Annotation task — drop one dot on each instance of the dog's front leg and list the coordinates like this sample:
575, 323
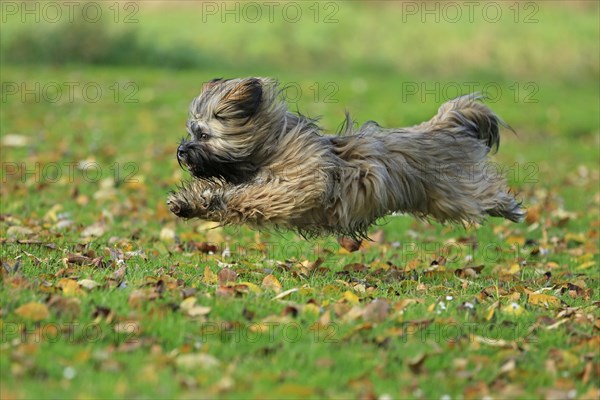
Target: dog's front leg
259, 204
199, 198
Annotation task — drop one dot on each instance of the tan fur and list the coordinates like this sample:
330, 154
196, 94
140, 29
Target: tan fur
293, 177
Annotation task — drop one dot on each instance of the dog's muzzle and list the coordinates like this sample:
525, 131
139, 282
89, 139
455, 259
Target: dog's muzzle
182, 155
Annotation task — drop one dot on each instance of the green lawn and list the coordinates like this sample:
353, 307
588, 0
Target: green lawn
105, 294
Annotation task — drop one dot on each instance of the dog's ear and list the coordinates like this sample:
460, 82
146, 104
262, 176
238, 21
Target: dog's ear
242, 101
212, 83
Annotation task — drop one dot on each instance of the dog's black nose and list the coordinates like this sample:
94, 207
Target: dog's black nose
181, 150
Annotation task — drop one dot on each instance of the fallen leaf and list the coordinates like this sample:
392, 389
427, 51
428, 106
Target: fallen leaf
350, 297
508, 367
514, 269
88, 284
285, 294
189, 307
137, 298
225, 291
63, 306
377, 310
416, 364
513, 309
15, 140
167, 234
33, 311
128, 328
248, 286
70, 287
195, 361
585, 265
349, 244
491, 310
16, 231
94, 230
209, 277
272, 283
226, 275
546, 300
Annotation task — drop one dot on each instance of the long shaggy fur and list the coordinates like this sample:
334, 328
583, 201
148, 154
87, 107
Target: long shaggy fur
254, 162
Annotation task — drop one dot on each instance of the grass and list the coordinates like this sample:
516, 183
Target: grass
132, 335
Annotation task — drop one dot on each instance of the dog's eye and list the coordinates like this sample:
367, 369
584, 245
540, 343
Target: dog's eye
196, 130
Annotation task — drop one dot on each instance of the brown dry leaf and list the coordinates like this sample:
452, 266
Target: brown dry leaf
62, 306
478, 390
291, 391
377, 310
33, 311
356, 267
353, 314
117, 277
469, 272
272, 283
378, 236
587, 372
79, 259
207, 248
244, 287
225, 291
402, 304
545, 300
416, 363
308, 266
129, 328
439, 261
592, 394
189, 307
137, 298
95, 230
17, 231
349, 244
226, 275
518, 240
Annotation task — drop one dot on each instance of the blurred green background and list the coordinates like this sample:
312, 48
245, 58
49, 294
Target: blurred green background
393, 62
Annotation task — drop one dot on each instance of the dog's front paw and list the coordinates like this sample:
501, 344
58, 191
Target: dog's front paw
181, 207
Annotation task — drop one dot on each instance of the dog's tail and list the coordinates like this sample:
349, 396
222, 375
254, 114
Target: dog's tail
467, 115
469, 186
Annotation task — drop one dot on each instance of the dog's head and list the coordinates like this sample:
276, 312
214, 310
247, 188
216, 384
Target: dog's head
231, 126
